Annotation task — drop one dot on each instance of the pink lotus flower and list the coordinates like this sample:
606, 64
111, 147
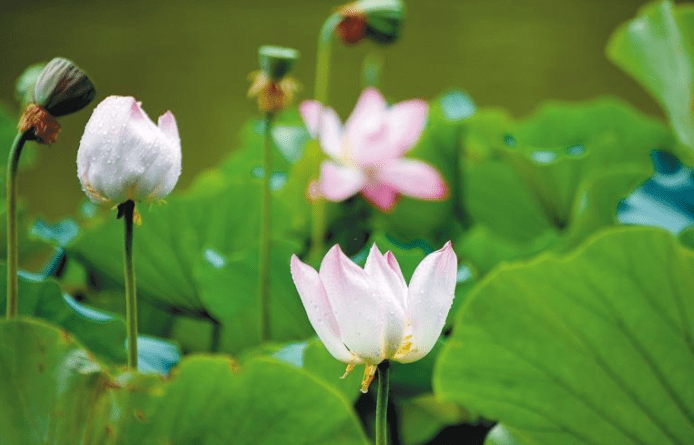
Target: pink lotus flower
370, 315
367, 154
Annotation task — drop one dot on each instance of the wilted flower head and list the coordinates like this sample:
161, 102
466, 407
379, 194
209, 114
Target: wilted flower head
273, 88
370, 315
61, 88
124, 156
366, 154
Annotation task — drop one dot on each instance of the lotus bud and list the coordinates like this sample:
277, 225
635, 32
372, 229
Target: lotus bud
271, 85
379, 20
61, 88
124, 156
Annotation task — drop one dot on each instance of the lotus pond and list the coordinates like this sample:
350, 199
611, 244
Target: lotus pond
346, 265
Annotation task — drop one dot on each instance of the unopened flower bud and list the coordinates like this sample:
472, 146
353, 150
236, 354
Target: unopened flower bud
379, 20
276, 62
271, 86
124, 156
62, 88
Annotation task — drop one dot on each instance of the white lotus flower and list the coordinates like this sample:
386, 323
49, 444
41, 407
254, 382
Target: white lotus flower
124, 156
370, 315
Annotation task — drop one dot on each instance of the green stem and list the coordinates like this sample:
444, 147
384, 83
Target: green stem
382, 403
127, 210
265, 232
12, 248
321, 95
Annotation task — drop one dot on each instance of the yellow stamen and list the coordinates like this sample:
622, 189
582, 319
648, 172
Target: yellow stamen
137, 217
404, 348
349, 369
369, 373
88, 187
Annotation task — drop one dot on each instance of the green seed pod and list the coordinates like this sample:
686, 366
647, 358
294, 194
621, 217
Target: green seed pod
62, 88
276, 62
24, 89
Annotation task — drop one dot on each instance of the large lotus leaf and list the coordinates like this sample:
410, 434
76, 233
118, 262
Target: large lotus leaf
531, 178
49, 388
500, 435
52, 392
597, 202
213, 400
43, 299
656, 49
484, 249
228, 289
424, 416
174, 238
563, 145
595, 347
496, 197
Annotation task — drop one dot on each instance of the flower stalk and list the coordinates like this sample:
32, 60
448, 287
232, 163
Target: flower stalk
382, 403
318, 212
60, 88
265, 232
274, 90
126, 211
12, 248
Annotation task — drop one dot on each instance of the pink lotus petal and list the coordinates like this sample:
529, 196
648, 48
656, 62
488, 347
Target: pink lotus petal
413, 178
406, 122
429, 300
330, 133
318, 309
368, 115
380, 195
338, 182
310, 112
393, 263
357, 306
392, 289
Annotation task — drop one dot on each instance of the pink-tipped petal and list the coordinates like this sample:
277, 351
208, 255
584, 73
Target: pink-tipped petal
330, 133
406, 122
368, 115
393, 263
338, 182
413, 178
136, 111
380, 195
358, 308
392, 289
430, 296
167, 125
318, 309
310, 113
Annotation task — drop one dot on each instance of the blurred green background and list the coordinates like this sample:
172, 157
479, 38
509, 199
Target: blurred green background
194, 57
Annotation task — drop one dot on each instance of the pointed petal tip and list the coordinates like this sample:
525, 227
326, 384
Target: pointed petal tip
168, 126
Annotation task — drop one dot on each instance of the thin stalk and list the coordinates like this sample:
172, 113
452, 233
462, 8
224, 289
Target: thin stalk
12, 248
265, 233
321, 96
126, 211
382, 403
